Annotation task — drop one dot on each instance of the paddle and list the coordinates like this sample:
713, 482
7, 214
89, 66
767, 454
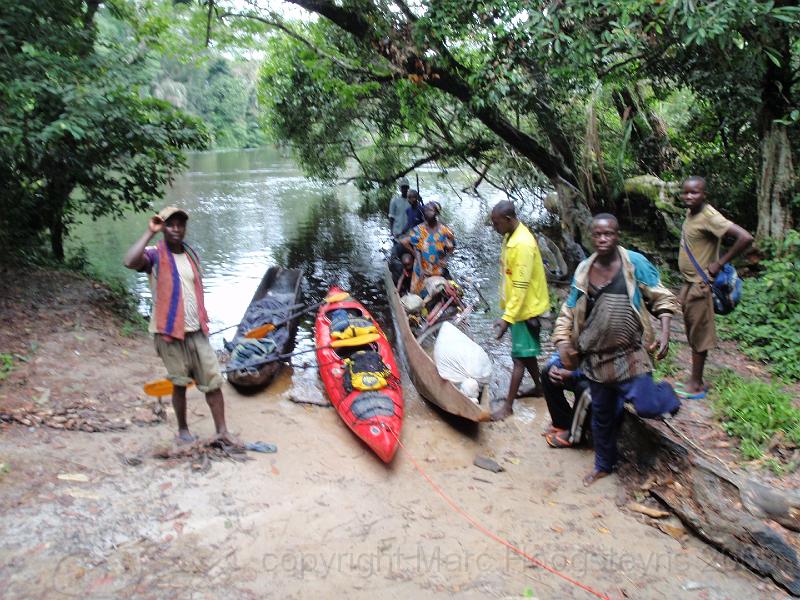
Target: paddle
477, 287
160, 387
292, 307
262, 330
437, 312
359, 340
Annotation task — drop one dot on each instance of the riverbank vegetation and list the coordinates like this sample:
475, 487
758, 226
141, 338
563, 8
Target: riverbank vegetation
573, 107
79, 135
761, 415
578, 106
767, 322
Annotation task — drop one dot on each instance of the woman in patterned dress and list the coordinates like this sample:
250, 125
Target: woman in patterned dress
430, 243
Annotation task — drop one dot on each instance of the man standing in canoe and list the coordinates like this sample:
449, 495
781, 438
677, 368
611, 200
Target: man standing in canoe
397, 209
397, 225
414, 214
523, 298
179, 322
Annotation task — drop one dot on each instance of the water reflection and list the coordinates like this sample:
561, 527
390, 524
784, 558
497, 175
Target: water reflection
252, 209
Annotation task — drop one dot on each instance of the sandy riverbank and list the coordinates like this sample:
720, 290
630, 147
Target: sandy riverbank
322, 517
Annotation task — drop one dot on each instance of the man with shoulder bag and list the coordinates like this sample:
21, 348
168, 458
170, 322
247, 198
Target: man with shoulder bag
703, 270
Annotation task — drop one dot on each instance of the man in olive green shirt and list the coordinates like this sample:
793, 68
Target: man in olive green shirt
702, 232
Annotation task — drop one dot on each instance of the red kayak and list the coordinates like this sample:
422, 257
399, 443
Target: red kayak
368, 398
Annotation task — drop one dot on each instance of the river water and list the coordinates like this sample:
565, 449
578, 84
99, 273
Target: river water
252, 209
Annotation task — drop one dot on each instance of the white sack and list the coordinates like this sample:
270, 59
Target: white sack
458, 358
471, 389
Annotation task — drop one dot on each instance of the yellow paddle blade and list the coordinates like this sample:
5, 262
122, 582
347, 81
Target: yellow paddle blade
337, 297
160, 387
259, 332
359, 340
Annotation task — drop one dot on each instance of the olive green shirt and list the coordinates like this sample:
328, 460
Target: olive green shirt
703, 233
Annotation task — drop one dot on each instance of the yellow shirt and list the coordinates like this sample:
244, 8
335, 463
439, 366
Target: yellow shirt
523, 291
703, 233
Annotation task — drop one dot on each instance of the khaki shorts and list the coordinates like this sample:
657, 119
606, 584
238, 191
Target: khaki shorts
698, 316
191, 358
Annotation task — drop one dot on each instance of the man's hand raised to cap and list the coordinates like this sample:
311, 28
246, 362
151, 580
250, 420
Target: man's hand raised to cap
155, 224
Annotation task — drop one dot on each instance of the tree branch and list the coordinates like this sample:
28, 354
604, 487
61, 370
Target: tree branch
406, 59
277, 23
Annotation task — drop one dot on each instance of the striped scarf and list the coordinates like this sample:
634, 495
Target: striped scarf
169, 298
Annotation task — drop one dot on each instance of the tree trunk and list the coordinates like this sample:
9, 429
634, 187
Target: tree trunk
57, 239
776, 185
576, 222
777, 182
55, 206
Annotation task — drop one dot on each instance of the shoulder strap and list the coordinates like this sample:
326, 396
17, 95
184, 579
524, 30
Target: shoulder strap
697, 267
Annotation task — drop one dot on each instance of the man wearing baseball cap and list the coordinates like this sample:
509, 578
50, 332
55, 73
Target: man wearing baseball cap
179, 322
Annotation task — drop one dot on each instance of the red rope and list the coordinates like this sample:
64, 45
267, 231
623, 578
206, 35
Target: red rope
488, 533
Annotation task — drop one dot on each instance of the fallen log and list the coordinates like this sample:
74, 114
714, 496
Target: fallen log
755, 523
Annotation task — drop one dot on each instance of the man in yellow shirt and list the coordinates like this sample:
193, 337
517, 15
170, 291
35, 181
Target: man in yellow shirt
523, 298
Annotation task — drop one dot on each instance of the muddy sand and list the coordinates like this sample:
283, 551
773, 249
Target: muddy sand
94, 515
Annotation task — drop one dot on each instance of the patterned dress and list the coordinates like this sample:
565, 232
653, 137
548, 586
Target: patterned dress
431, 245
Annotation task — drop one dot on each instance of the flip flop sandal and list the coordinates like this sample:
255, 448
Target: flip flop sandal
680, 385
558, 440
551, 430
689, 396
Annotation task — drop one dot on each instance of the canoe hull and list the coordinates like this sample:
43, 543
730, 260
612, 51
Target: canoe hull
283, 284
422, 369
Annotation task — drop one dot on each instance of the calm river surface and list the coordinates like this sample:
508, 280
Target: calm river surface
252, 209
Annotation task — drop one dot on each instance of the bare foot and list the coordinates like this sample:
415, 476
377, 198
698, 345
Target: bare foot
226, 438
594, 476
531, 392
185, 437
506, 410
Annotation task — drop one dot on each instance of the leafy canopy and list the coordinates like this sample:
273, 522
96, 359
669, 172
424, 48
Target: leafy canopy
80, 134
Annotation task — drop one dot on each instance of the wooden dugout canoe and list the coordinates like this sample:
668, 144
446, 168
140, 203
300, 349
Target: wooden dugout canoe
282, 286
422, 369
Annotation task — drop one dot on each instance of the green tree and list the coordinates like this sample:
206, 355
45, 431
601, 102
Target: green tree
527, 74
79, 135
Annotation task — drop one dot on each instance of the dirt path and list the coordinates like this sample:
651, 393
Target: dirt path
322, 517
